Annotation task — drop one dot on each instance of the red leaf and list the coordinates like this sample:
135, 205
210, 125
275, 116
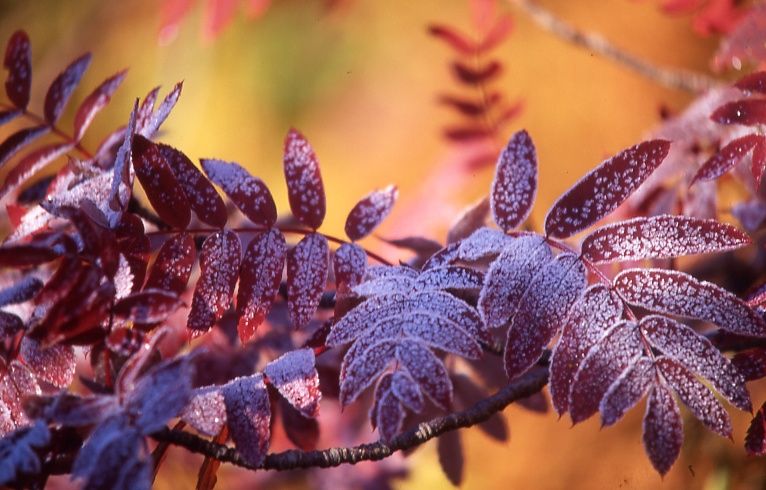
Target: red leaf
31, 164
476, 75
147, 306
755, 441
25, 255
677, 293
173, 265
470, 220
461, 134
97, 100
202, 196
626, 391
148, 128
501, 30
248, 193
260, 276
604, 188
515, 183
541, 311
662, 429
219, 263
305, 189
349, 264
427, 370
54, 365
218, 15
745, 42
758, 163
466, 107
727, 157
162, 188
18, 62
754, 82
660, 237
748, 112
295, 377
18, 140
307, 267
62, 87
456, 40
597, 310
369, 212
751, 363
302, 432
15, 383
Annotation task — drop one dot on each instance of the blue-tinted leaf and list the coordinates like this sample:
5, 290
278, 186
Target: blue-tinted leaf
626, 390
427, 370
17, 451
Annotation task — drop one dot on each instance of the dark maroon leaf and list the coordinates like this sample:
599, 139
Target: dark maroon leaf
97, 100
165, 194
307, 268
727, 157
467, 107
542, 310
147, 306
305, 189
456, 40
125, 341
295, 377
31, 164
55, 364
467, 394
627, 390
449, 446
18, 141
260, 276
18, 62
249, 416
25, 255
758, 163
10, 115
754, 82
427, 370
597, 310
203, 198
476, 75
219, 262
751, 363
755, 441
604, 188
349, 264
748, 112
148, 128
467, 134
62, 87
515, 183
21, 291
469, 221
173, 265
18, 453
677, 293
10, 324
146, 109
423, 247
369, 212
662, 429
160, 394
249, 194
660, 237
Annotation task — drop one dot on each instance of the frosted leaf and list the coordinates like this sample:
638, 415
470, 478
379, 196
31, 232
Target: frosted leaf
728, 157
748, 112
93, 103
17, 382
17, 451
406, 390
18, 62
75, 411
450, 277
249, 416
206, 410
484, 242
663, 434
149, 306
149, 127
55, 364
694, 351
357, 321
597, 310
441, 333
755, 441
660, 237
456, 310
618, 349
18, 141
386, 285
21, 291
681, 294
509, 277
751, 213
349, 264
296, 379
305, 189
515, 183
469, 221
62, 87
541, 311
427, 370
753, 82
219, 262
248, 193
173, 265
362, 372
696, 396
259, 280
385, 271
160, 395
10, 324
369, 212
751, 363
146, 108
627, 390
601, 190
386, 414
388, 329
307, 268
30, 164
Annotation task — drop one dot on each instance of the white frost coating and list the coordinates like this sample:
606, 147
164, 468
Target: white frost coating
369, 212
158, 117
173, 266
307, 269
206, 411
249, 414
681, 294
349, 264
427, 370
627, 390
55, 365
294, 375
383, 271
360, 374
406, 390
663, 434
389, 284
15, 385
441, 333
450, 277
728, 157
484, 242
356, 322
660, 237
304, 181
248, 193
515, 183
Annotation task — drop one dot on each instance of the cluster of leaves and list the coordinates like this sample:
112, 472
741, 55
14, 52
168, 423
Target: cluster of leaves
87, 265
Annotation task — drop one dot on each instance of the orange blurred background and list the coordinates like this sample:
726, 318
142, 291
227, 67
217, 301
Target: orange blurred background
361, 81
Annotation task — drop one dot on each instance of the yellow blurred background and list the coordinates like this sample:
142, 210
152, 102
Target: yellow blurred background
361, 82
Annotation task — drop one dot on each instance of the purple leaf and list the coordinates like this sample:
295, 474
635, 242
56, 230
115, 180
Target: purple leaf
698, 397
677, 293
10, 324
295, 377
17, 451
219, 263
542, 310
349, 264
149, 128
407, 391
249, 416
515, 183
302, 432
694, 351
626, 391
305, 189
369, 212
597, 310
600, 191
727, 157
249, 194
165, 194
145, 110
755, 441
206, 411
160, 394
482, 243
173, 265
386, 413
260, 276
62, 87
31, 164
660, 237
203, 198
427, 370
748, 112
97, 100
18, 141
362, 371
450, 277
307, 268
455, 39
439, 332
449, 446
21, 291
509, 277
55, 364
751, 363
123, 173
662, 429
18, 62
357, 322
147, 306
76, 411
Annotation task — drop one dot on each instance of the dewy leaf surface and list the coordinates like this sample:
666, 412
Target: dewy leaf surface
173, 265
663, 434
295, 377
369, 212
515, 183
248, 193
600, 191
349, 264
305, 189
307, 268
249, 416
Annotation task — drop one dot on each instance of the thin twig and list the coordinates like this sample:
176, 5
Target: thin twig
686, 80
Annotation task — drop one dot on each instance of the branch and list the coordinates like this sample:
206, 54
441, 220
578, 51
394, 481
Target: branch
677, 79
293, 459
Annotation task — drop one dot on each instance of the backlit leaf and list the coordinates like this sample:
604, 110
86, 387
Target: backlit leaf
31, 164
17, 382
515, 183
604, 188
469, 221
150, 127
295, 377
147, 306
173, 265
626, 391
305, 189
753, 82
248, 193
206, 410
751, 363
748, 112
456, 40
54, 365
307, 268
18, 62
249, 416
727, 157
62, 87
369, 212
663, 434
755, 441
97, 100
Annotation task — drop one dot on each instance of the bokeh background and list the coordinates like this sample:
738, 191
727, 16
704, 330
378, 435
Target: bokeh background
361, 79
